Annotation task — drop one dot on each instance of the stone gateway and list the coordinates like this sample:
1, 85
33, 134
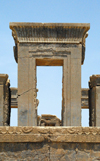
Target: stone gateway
49, 44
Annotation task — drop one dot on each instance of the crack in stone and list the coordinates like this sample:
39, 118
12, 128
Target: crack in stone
25, 92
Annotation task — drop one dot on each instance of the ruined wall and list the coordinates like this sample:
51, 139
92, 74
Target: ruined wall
49, 151
49, 143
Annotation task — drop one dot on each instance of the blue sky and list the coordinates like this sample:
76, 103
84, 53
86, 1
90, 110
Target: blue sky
49, 79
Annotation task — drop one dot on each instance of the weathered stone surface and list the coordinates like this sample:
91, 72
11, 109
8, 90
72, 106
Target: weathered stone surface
24, 152
14, 96
94, 81
5, 99
49, 151
94, 100
50, 143
27, 102
48, 120
84, 98
50, 134
49, 44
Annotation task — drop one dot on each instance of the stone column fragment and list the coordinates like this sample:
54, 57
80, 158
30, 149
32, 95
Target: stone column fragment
5, 99
94, 100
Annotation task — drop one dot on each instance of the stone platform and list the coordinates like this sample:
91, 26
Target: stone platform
50, 143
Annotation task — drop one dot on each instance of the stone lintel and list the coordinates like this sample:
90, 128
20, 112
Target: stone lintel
49, 32
50, 134
94, 81
3, 78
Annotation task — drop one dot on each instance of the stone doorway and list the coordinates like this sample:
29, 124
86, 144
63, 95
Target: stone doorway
56, 44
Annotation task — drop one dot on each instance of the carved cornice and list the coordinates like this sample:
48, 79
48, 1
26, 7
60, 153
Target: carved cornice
94, 81
50, 134
49, 32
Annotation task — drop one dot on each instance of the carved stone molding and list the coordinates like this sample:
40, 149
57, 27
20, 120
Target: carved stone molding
49, 32
50, 134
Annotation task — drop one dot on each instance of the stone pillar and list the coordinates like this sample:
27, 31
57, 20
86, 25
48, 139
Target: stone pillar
94, 100
27, 102
72, 88
5, 99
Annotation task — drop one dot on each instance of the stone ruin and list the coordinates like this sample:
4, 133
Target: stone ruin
51, 44
46, 137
